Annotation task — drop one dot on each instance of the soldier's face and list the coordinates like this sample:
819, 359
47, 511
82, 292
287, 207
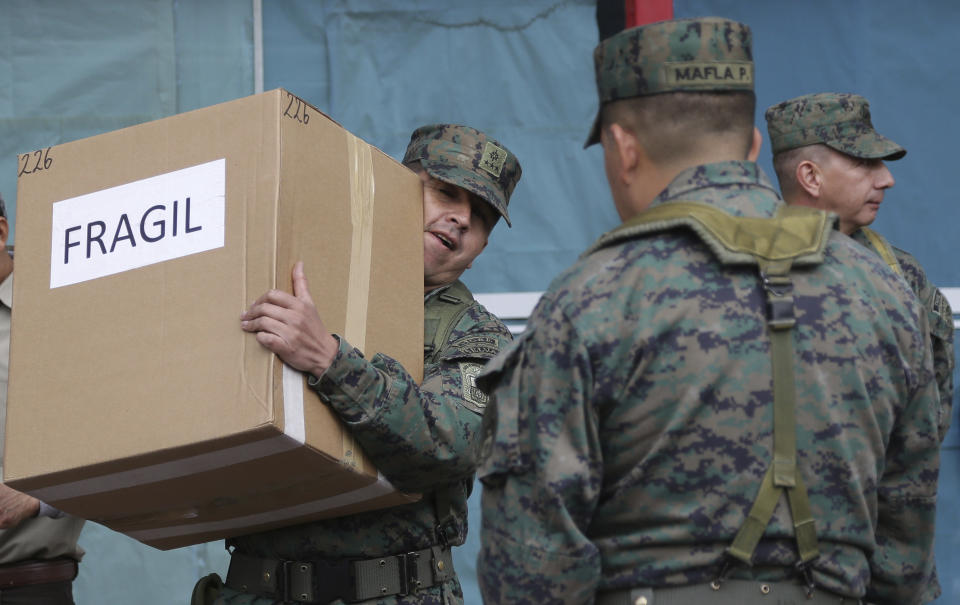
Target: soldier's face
853, 188
456, 226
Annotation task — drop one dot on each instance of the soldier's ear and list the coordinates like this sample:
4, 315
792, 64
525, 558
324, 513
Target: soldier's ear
755, 144
625, 150
809, 178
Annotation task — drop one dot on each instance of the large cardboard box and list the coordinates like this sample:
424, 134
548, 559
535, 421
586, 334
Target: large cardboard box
135, 400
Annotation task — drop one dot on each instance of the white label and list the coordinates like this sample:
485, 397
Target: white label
138, 224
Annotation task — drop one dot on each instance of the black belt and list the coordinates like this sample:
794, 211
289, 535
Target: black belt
730, 592
37, 572
352, 580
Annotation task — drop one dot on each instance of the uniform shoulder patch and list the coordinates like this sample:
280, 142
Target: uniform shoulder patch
477, 346
938, 303
473, 398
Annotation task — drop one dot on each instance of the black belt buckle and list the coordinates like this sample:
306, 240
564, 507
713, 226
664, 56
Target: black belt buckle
409, 574
295, 581
316, 581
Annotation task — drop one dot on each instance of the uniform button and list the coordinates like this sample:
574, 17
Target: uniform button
440, 565
640, 601
266, 576
764, 589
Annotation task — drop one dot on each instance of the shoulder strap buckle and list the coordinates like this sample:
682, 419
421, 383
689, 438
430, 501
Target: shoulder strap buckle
779, 290
804, 569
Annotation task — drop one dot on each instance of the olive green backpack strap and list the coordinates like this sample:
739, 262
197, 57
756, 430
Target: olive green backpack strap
795, 236
441, 313
883, 249
782, 475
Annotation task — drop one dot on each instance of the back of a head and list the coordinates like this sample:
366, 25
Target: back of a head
675, 83
676, 125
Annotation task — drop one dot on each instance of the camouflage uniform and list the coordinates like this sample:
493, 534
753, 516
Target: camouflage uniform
939, 316
842, 122
630, 426
418, 435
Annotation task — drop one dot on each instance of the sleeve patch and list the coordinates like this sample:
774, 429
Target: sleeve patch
474, 399
477, 346
938, 303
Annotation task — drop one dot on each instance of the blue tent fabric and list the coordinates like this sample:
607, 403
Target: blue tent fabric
522, 71
73, 70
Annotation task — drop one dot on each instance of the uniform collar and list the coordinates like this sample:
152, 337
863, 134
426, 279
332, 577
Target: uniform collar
436, 291
719, 184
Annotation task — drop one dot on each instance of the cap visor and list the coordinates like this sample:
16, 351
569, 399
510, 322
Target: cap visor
871, 147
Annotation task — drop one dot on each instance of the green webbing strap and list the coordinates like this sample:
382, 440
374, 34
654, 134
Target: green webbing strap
440, 314
782, 474
795, 236
883, 249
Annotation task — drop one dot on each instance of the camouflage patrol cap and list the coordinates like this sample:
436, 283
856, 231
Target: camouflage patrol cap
839, 120
693, 55
467, 158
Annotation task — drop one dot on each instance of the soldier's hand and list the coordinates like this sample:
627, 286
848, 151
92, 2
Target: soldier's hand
15, 507
290, 326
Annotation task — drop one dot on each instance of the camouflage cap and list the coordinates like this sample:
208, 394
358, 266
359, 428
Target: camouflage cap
704, 54
468, 158
839, 120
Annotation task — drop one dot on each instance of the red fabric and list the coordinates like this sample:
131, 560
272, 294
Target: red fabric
639, 12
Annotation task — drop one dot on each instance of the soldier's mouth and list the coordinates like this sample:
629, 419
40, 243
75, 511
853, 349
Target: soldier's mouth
443, 240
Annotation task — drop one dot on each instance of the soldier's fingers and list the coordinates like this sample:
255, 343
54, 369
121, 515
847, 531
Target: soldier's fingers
301, 288
274, 343
267, 324
277, 298
278, 306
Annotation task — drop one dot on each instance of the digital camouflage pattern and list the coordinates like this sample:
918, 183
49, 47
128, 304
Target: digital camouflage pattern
631, 424
840, 121
680, 55
940, 319
468, 158
419, 436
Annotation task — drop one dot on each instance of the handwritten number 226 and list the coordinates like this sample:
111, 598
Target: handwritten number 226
299, 112
34, 162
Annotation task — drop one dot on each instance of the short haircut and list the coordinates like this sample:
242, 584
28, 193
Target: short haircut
785, 165
3, 207
671, 125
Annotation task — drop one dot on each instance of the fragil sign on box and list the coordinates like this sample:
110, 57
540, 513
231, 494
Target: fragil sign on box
125, 227
135, 399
